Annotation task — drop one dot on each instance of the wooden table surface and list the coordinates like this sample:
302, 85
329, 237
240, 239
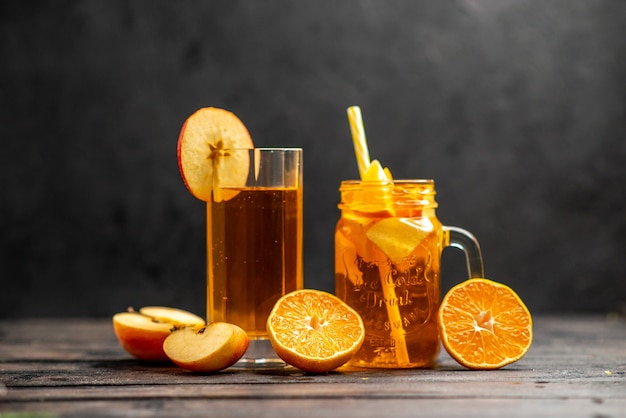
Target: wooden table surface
75, 367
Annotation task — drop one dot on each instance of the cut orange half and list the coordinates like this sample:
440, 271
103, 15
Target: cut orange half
484, 324
314, 330
203, 153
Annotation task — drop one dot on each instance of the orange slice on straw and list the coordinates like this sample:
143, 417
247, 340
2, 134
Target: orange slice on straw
314, 330
484, 324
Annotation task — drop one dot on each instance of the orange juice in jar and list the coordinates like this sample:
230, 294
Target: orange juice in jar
388, 245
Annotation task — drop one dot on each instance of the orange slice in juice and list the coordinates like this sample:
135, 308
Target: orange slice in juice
397, 238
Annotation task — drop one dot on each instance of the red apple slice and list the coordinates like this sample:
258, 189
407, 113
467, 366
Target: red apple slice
142, 333
175, 316
203, 157
206, 349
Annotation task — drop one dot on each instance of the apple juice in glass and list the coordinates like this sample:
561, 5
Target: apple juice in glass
254, 245
388, 245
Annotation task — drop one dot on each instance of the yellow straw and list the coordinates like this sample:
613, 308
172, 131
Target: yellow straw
358, 137
393, 312
389, 292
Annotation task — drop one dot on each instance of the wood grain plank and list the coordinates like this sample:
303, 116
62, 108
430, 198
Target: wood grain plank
576, 367
609, 389
331, 408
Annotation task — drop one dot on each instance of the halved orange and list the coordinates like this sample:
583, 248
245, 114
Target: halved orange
484, 324
314, 330
203, 153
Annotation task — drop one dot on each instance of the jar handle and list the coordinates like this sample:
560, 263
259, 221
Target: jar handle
464, 240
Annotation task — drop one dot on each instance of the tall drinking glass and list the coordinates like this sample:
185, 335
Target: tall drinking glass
254, 244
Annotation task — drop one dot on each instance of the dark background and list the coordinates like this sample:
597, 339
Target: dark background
517, 109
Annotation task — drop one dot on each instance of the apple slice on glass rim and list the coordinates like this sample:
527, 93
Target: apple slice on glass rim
203, 157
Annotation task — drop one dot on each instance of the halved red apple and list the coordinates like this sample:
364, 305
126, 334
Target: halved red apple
203, 157
206, 349
142, 333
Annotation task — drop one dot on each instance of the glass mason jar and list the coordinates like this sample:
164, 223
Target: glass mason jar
388, 245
